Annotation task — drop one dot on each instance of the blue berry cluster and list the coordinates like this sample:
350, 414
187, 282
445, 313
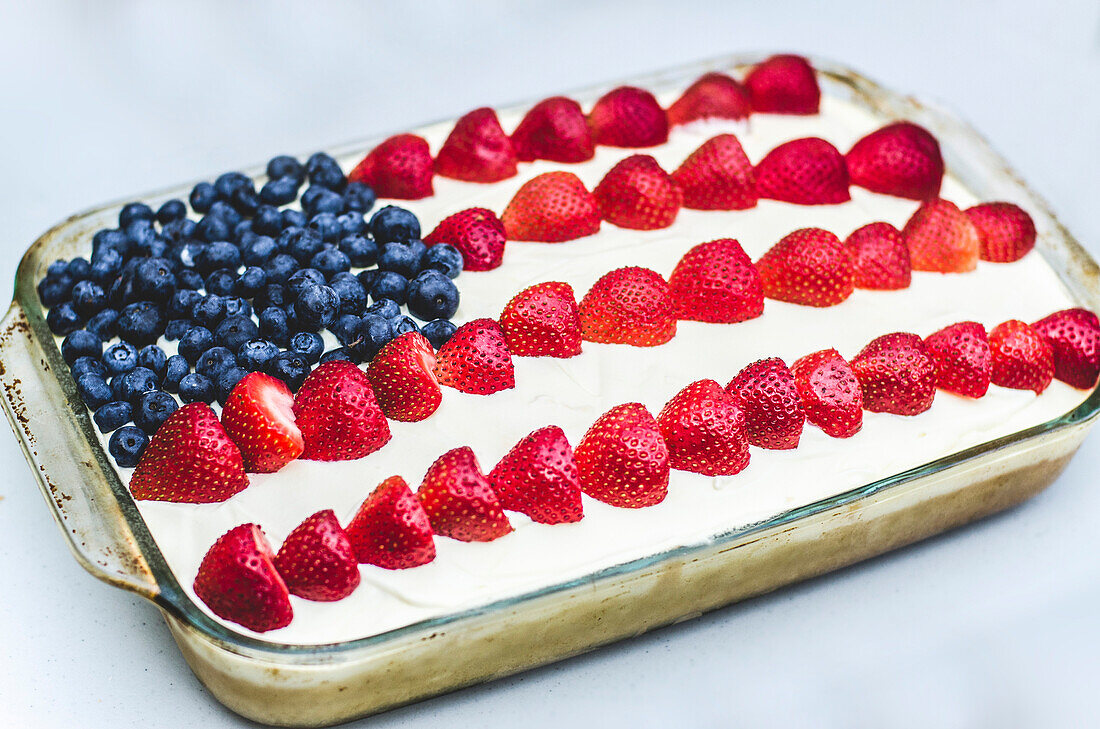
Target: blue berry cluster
247, 286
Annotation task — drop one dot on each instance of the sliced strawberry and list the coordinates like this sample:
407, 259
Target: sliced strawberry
317, 561
543, 321
809, 267
398, 168
538, 477
784, 84
477, 150
880, 257
628, 306
941, 238
391, 529
1006, 232
628, 117
901, 159
807, 171
459, 501
1074, 339
623, 460
831, 396
961, 354
402, 376
713, 95
476, 359
704, 430
554, 129
478, 235
191, 459
259, 417
636, 193
550, 208
766, 392
340, 419
716, 282
1022, 359
717, 176
897, 374
238, 581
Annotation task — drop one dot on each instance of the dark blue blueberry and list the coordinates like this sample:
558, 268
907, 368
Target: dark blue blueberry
284, 165
152, 409
259, 251
338, 355
179, 230
154, 280
113, 415
385, 308
196, 388
352, 224
141, 233
392, 223
93, 390
88, 298
227, 182
367, 278
81, 343
328, 174
235, 331
251, 281
290, 367
358, 198
221, 282
196, 341
109, 238
273, 325
135, 383
401, 258
176, 328
141, 323
309, 345
224, 210
134, 211
86, 365
152, 357
256, 353
171, 210
182, 303
54, 289
121, 291
326, 226
279, 268
401, 324
120, 358
432, 296
227, 380
330, 261
318, 199
209, 311
106, 265
214, 360
272, 295
268, 220
174, 369
126, 445
203, 195
353, 297
318, 160
213, 228
58, 268
279, 191
316, 307
360, 250
104, 324
389, 285
236, 306
78, 268
303, 243
302, 280
219, 254
189, 278
293, 218
438, 331
445, 258
243, 233
345, 328
374, 332
245, 200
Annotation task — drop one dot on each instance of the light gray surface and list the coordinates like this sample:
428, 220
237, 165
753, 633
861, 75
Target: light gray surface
994, 625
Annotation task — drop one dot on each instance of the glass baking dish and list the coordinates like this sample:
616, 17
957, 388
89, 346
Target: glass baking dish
299, 685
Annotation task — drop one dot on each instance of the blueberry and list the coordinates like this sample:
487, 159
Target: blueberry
328, 174
317, 160
54, 289
368, 277
227, 380
174, 370
392, 223
104, 324
121, 292
219, 254
209, 311
134, 211
389, 285
385, 308
316, 307
112, 415
374, 332
93, 390
401, 324
221, 282
432, 296
438, 331
196, 341
152, 357
445, 258
318, 199
235, 331
273, 325
337, 355
303, 279
358, 197
179, 230
326, 225
203, 195
361, 251
141, 323
126, 445
279, 268
87, 365
176, 328
243, 233
330, 261
135, 383
245, 200
401, 258
303, 243
267, 221
88, 298
213, 228
293, 218
227, 182
105, 266
214, 360
285, 166
189, 278
251, 281
309, 345
81, 343
141, 233
256, 353
58, 268
236, 306
345, 328
78, 268
290, 367
196, 388
259, 251
353, 297
182, 303
154, 280
109, 238
120, 358
352, 223
153, 408
171, 210
272, 295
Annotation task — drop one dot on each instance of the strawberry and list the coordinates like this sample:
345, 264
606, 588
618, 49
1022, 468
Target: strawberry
901, 159
704, 430
784, 84
554, 129
766, 392
476, 359
809, 267
391, 529
338, 414
550, 208
628, 306
961, 354
897, 374
259, 417
628, 117
538, 477
1022, 359
717, 176
317, 561
543, 321
477, 150
1074, 339
402, 376
940, 237
830, 393
713, 95
880, 257
238, 581
1006, 232
807, 171
459, 501
636, 193
623, 460
716, 282
398, 168
478, 235
191, 459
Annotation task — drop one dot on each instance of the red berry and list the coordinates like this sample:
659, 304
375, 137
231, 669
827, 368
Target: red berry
478, 235
538, 477
901, 159
554, 129
713, 95
340, 419
716, 282
831, 396
628, 117
897, 375
550, 208
766, 392
391, 529
880, 257
628, 306
259, 417
1022, 359
704, 430
941, 238
1074, 339
476, 359
784, 84
317, 561
477, 150
238, 581
809, 267
459, 501
402, 376
717, 176
399, 168
963, 362
1006, 232
807, 171
623, 460
636, 193
543, 321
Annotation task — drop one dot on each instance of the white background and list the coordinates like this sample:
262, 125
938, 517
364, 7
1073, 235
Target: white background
995, 625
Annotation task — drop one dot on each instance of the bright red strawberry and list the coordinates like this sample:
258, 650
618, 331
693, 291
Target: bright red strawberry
941, 238
809, 267
807, 171
713, 95
478, 235
1006, 232
391, 528
550, 208
459, 501
398, 168
831, 396
1022, 359
477, 150
554, 129
317, 561
901, 159
717, 176
880, 257
476, 359
897, 374
1074, 339
628, 117
766, 392
538, 477
543, 321
716, 282
961, 354
636, 193
402, 376
339, 416
259, 417
704, 430
238, 581
784, 84
623, 460
628, 306
191, 459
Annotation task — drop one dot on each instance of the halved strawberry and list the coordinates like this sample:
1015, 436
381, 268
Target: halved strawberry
402, 376
941, 238
901, 159
716, 282
1022, 359
880, 257
623, 460
259, 417
831, 396
538, 477
191, 459
713, 95
543, 321
338, 414
628, 117
391, 528
478, 235
636, 193
807, 171
238, 581
1006, 232
809, 267
897, 374
554, 129
628, 306
961, 354
459, 501
1074, 339
399, 168
766, 392
550, 208
477, 149
717, 176
317, 561
784, 84
704, 430
476, 359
